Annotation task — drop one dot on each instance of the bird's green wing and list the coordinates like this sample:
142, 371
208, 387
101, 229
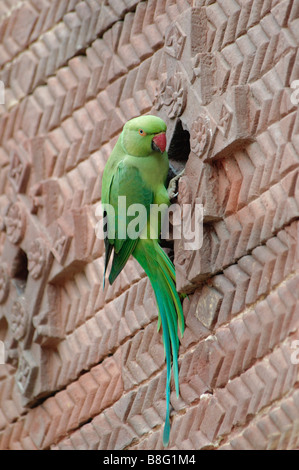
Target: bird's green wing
127, 188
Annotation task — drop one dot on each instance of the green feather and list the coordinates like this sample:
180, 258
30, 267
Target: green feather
148, 254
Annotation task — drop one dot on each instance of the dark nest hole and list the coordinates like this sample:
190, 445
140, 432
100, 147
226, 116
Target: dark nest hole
20, 271
178, 153
179, 150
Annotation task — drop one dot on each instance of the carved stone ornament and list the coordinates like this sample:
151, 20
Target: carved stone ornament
196, 67
225, 119
18, 320
184, 196
19, 171
61, 244
36, 199
36, 258
175, 41
15, 222
200, 134
26, 373
4, 283
182, 256
172, 93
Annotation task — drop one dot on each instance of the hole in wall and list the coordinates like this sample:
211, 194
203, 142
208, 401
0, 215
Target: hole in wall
3, 329
179, 150
178, 153
20, 271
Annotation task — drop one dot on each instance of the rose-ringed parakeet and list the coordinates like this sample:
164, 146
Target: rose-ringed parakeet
137, 169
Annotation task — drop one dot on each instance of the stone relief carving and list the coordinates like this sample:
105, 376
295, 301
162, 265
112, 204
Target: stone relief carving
217, 120
4, 283
37, 252
15, 222
36, 258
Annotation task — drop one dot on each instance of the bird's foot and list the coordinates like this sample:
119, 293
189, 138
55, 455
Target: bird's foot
172, 186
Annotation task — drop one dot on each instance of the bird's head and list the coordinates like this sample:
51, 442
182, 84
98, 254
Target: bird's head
144, 135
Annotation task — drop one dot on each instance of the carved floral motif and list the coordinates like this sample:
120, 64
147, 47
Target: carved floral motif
182, 256
36, 258
225, 119
4, 283
26, 373
15, 222
175, 41
35, 194
16, 168
200, 135
18, 320
172, 93
19, 171
23, 374
61, 244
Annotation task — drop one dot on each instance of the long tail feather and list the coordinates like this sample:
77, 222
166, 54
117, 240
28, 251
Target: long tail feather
108, 251
161, 273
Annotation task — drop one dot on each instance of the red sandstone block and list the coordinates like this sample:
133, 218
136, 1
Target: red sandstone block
285, 377
267, 259
46, 103
194, 373
80, 69
253, 326
270, 432
66, 405
268, 375
51, 405
256, 387
78, 396
258, 211
70, 85
227, 289
227, 402
243, 396
288, 301
253, 268
242, 338
63, 445
213, 417
4, 438
77, 440
280, 316
265, 317
207, 307
58, 93
281, 252
13, 442
90, 387
228, 344
241, 281
234, 228
254, 438
39, 427
289, 159
3, 420
110, 385
90, 436
31, 118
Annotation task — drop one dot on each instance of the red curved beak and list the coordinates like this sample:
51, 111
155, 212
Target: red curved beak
159, 142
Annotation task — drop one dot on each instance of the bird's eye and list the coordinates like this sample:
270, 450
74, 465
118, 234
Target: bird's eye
141, 132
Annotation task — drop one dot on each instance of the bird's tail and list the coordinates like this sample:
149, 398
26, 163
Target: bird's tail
161, 273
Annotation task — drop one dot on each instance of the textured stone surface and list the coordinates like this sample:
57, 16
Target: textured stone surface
85, 368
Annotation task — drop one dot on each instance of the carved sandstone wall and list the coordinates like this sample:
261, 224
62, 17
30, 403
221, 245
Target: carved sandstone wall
85, 368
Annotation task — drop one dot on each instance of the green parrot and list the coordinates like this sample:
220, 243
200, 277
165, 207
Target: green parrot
137, 169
